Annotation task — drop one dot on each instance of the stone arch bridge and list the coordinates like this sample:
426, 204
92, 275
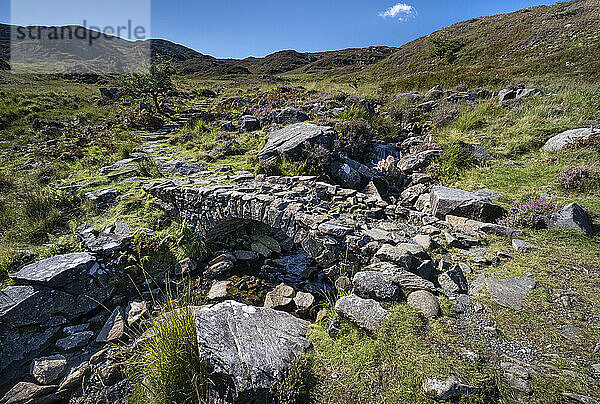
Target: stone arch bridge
332, 224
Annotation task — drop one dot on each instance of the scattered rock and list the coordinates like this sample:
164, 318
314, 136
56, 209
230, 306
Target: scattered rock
563, 139
135, 311
375, 285
571, 216
248, 348
249, 123
570, 332
367, 314
179, 167
518, 383
522, 246
287, 116
242, 255
219, 290
453, 281
219, 265
75, 378
510, 292
48, 369
425, 303
185, 267
280, 298
450, 389
114, 328
304, 301
450, 201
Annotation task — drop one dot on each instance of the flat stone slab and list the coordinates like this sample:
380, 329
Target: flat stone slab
291, 139
69, 272
248, 348
401, 277
457, 202
510, 292
365, 313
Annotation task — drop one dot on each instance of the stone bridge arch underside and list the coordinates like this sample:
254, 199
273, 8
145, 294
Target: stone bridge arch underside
313, 214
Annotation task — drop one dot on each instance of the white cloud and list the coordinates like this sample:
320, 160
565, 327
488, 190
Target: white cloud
401, 11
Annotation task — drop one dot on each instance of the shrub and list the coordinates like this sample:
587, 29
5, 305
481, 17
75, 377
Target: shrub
529, 212
455, 158
354, 138
444, 48
443, 116
574, 177
385, 129
355, 111
318, 159
166, 367
147, 167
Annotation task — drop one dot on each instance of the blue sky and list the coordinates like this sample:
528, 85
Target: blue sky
234, 28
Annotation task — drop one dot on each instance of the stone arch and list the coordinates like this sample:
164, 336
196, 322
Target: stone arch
219, 209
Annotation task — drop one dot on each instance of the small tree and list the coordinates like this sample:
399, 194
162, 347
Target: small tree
154, 83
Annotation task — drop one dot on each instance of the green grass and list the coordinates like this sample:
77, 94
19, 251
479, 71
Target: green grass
166, 367
389, 367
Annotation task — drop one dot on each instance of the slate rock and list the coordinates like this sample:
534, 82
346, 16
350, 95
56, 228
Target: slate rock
287, 116
401, 277
375, 285
179, 167
71, 273
27, 305
563, 139
114, 328
425, 303
47, 369
25, 392
74, 379
510, 292
451, 201
453, 281
290, 140
247, 349
104, 198
249, 123
111, 240
365, 313
572, 216
74, 341
580, 398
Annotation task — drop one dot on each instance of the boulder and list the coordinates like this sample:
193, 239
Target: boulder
563, 139
425, 303
107, 242
104, 198
453, 281
249, 123
375, 285
510, 292
290, 140
247, 349
71, 273
48, 369
451, 201
450, 389
286, 116
280, 298
572, 216
365, 313
346, 176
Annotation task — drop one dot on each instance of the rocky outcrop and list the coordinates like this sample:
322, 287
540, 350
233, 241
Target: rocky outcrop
247, 348
290, 140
